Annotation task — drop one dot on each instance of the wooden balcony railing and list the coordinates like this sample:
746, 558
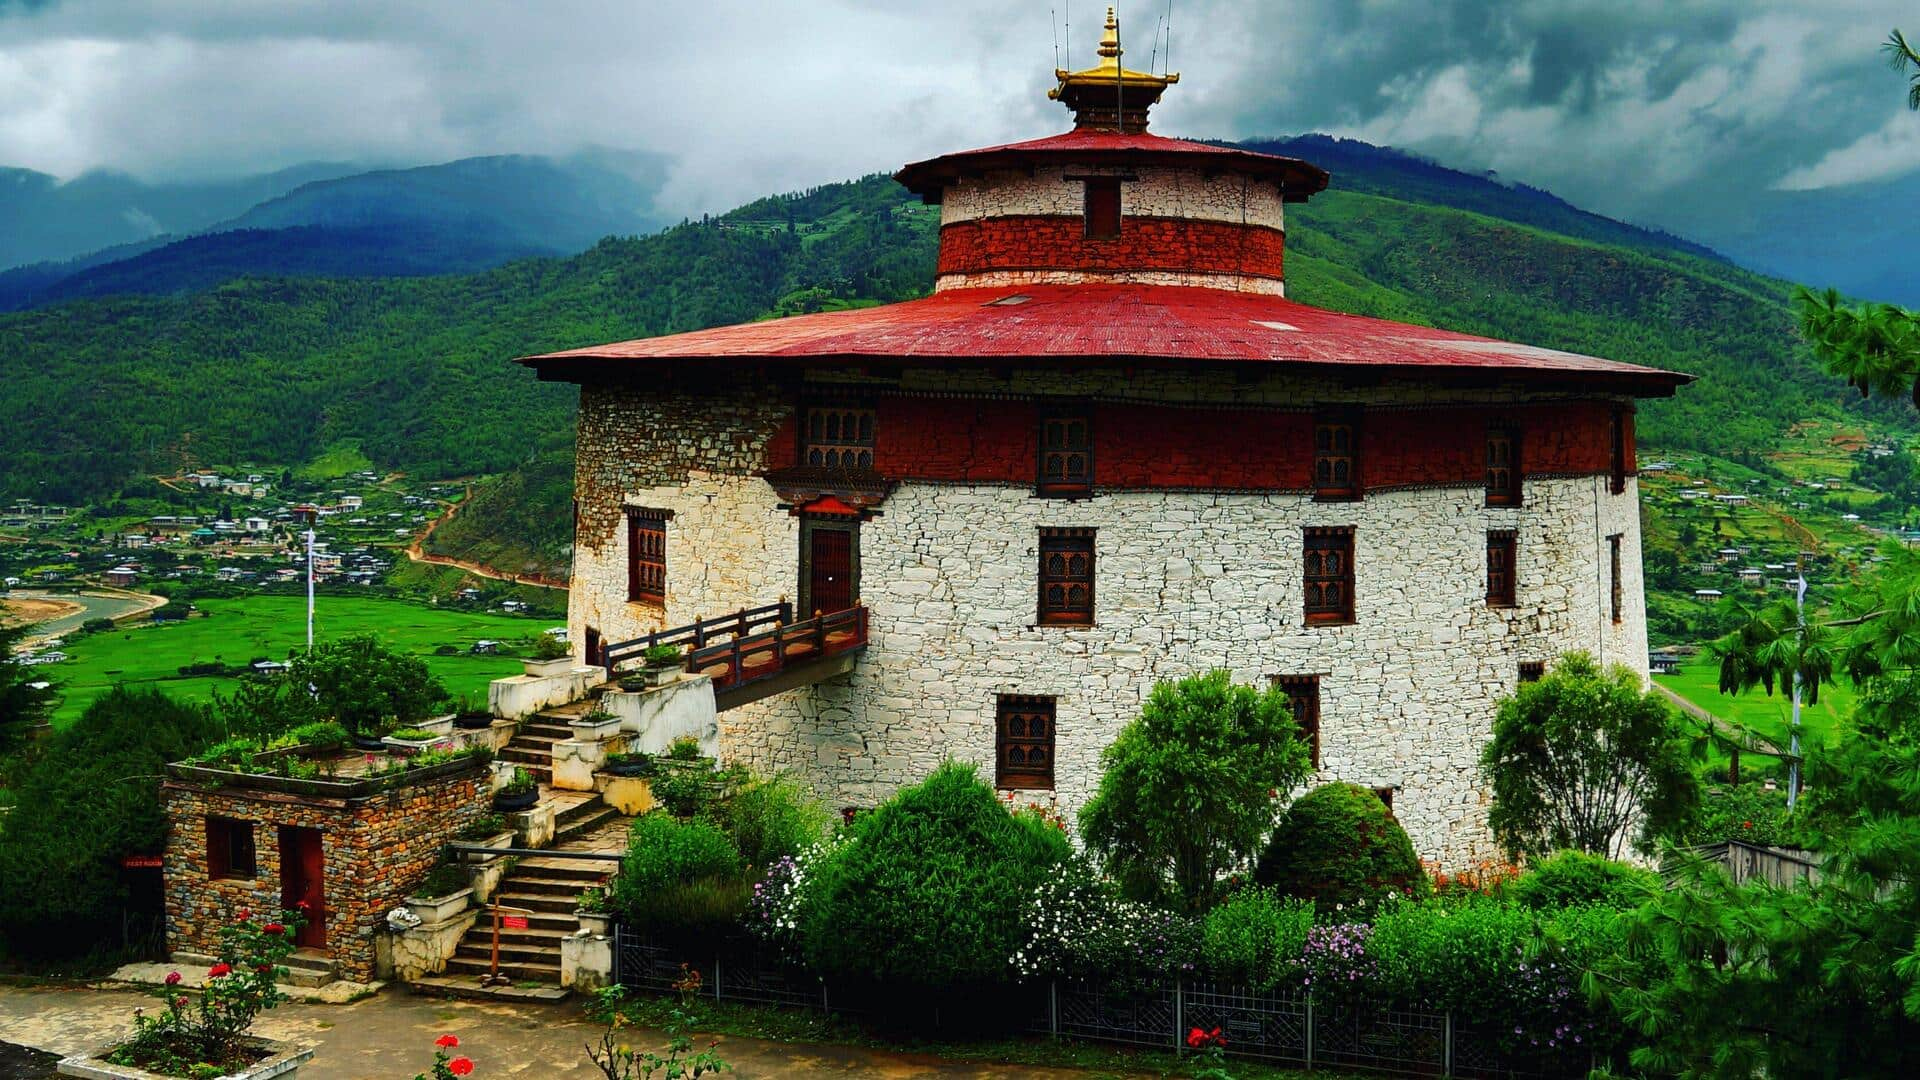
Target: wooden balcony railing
759, 643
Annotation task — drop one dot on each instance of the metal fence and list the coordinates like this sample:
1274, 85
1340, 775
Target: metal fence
1285, 1026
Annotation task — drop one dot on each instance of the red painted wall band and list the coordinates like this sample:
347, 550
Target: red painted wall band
1044, 242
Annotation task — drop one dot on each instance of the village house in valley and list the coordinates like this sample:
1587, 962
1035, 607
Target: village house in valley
1108, 450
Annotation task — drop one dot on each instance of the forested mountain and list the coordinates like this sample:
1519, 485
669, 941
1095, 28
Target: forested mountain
416, 372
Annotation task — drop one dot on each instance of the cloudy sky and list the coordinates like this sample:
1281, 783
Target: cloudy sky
1626, 106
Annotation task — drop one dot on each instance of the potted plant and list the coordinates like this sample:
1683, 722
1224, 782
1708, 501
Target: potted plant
593, 913
442, 895
684, 748
211, 1036
409, 741
372, 736
634, 765
594, 726
662, 664
471, 717
439, 725
490, 829
549, 656
518, 793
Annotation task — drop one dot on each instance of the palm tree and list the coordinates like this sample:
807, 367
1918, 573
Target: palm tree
1899, 55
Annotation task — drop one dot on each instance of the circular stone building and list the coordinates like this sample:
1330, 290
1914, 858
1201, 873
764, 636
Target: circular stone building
1105, 451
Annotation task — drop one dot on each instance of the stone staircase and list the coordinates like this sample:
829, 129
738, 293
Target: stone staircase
532, 745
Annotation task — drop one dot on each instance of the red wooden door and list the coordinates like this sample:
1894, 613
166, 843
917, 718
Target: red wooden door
831, 558
302, 878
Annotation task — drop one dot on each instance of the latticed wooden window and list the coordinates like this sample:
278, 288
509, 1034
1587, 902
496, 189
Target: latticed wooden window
1066, 577
1618, 450
839, 437
1023, 743
1617, 593
1103, 209
1329, 574
1503, 467
230, 848
647, 555
1502, 547
1066, 455
1336, 457
1303, 700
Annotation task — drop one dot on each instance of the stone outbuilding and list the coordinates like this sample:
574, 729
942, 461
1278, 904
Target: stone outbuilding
1108, 450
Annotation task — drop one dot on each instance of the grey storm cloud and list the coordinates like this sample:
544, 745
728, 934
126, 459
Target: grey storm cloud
1620, 105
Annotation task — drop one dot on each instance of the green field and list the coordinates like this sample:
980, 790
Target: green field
237, 631
1699, 682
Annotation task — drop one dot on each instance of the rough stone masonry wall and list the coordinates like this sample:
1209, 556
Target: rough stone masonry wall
374, 852
1186, 581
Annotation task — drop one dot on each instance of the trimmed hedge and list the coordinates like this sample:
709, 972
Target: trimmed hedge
1339, 846
680, 879
1571, 878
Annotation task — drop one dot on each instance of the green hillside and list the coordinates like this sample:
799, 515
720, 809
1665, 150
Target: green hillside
416, 374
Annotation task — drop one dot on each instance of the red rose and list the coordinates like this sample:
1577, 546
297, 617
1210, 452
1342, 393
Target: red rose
263, 968
173, 978
303, 905
274, 928
1746, 824
218, 970
447, 1040
1196, 1037
244, 914
460, 1066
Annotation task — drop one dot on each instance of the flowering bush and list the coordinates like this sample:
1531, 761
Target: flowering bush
188, 1038
445, 1065
1079, 928
1338, 967
773, 912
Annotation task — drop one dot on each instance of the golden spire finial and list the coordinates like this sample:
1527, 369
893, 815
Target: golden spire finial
1110, 43
1108, 96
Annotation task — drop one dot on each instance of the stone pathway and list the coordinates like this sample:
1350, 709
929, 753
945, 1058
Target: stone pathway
391, 1035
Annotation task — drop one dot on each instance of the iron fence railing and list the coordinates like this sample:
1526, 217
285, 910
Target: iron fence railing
1281, 1025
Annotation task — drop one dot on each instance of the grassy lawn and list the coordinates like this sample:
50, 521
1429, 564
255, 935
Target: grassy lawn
1698, 682
240, 630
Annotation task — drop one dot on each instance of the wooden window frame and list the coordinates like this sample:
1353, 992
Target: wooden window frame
1027, 707
821, 450
1303, 700
1316, 539
1327, 426
1617, 455
1503, 546
1103, 211
1532, 670
1050, 421
224, 862
1503, 465
1617, 592
1067, 542
644, 587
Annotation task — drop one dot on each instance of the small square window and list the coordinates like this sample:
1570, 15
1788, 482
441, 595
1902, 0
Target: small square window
1303, 700
1103, 209
1502, 548
1066, 577
1503, 467
1336, 456
1329, 575
1023, 741
1066, 455
1532, 670
230, 851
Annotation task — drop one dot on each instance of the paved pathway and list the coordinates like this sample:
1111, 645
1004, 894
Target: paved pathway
391, 1035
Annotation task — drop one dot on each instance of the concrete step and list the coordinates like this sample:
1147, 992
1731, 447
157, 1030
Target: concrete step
583, 826
510, 953
555, 868
546, 886
550, 922
555, 728
581, 808
482, 934
530, 972
540, 903
468, 987
530, 757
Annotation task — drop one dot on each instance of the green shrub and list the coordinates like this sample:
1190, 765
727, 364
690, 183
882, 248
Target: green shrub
233, 754
1255, 937
413, 734
88, 797
1190, 789
1449, 954
320, 735
363, 684
485, 827
930, 887
775, 817
1570, 878
684, 748
679, 878
548, 647
444, 879
1339, 846
1746, 812
682, 792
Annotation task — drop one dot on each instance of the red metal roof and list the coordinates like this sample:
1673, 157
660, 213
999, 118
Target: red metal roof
1103, 323
1299, 179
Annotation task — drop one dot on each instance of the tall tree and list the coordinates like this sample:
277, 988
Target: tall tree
1587, 759
23, 702
1191, 789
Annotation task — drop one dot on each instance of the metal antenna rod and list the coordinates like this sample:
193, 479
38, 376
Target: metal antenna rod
1056, 37
1119, 80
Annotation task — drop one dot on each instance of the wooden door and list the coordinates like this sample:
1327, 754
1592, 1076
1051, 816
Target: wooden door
829, 570
302, 878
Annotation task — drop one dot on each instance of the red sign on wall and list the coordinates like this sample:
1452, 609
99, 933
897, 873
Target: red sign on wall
514, 922
140, 862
